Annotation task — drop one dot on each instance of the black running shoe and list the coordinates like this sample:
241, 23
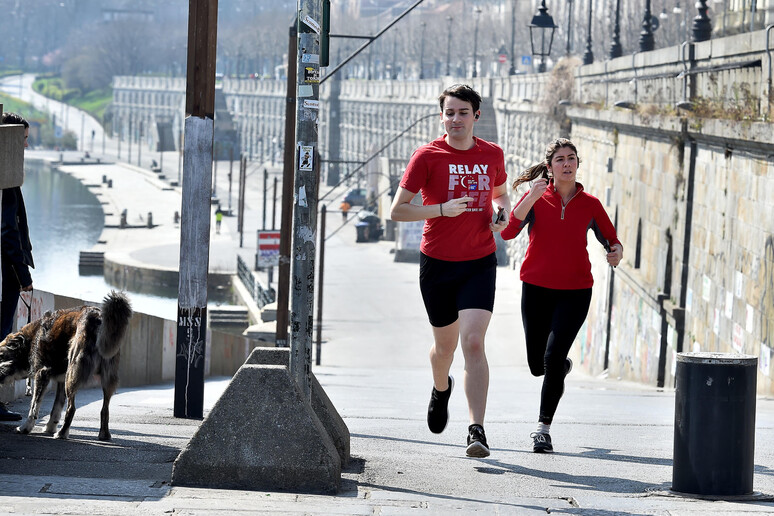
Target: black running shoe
477, 446
7, 415
541, 443
438, 410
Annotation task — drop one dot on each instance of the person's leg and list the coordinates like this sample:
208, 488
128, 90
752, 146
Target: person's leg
571, 309
442, 353
10, 300
473, 324
437, 289
537, 314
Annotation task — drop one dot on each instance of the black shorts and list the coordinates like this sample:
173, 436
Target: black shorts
448, 287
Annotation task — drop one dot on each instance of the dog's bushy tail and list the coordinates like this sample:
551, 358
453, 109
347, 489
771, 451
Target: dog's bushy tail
116, 313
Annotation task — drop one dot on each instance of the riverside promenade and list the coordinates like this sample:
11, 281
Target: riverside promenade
613, 440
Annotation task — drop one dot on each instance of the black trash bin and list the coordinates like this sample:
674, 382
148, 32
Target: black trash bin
362, 231
714, 442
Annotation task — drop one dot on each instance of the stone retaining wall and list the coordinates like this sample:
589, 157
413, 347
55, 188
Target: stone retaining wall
148, 351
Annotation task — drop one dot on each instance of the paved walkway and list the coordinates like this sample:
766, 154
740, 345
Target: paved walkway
613, 439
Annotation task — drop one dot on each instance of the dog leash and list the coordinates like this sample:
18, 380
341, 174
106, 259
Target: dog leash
28, 305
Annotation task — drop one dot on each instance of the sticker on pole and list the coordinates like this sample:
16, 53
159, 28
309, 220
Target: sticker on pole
306, 158
311, 75
268, 248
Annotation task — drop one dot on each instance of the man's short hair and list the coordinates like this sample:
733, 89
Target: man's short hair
462, 92
14, 119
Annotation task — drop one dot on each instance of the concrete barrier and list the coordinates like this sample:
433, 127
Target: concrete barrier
260, 435
321, 404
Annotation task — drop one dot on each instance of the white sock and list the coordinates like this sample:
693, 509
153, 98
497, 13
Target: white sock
542, 428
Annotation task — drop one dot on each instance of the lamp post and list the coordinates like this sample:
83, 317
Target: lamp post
512, 71
449, 19
477, 14
544, 23
588, 56
702, 26
615, 46
647, 42
568, 48
422, 51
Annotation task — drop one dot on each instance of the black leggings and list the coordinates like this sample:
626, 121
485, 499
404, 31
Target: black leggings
552, 319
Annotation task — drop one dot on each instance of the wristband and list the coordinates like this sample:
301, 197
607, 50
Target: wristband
441, 208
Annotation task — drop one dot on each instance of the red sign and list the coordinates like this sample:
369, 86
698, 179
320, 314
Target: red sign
268, 248
502, 58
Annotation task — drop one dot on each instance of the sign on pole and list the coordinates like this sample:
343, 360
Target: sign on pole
268, 248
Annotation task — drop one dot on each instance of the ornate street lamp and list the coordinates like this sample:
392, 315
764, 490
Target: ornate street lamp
422, 52
512, 71
568, 47
647, 43
544, 25
702, 26
448, 44
477, 14
588, 56
615, 46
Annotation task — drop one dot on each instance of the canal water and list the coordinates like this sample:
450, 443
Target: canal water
65, 218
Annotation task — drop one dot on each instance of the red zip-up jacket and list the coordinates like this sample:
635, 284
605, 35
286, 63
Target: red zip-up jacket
557, 257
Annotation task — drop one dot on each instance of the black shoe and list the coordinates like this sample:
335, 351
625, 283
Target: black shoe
541, 443
438, 410
567, 366
477, 446
7, 415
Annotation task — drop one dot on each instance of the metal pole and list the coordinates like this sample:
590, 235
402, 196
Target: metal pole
230, 175
323, 216
422, 52
588, 56
475, 43
265, 194
129, 149
286, 218
512, 71
615, 47
568, 48
195, 212
448, 45
242, 190
305, 209
647, 41
139, 144
274, 205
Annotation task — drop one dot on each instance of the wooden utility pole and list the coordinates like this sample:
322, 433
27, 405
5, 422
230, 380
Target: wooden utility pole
195, 209
307, 167
286, 216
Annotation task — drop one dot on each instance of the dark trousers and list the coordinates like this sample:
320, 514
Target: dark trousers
10, 300
552, 319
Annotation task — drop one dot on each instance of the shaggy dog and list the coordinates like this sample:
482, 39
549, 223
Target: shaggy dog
68, 346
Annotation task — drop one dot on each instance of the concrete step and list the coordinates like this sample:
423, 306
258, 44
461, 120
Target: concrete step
231, 315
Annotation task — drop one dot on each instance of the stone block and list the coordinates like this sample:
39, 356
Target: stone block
261, 435
269, 312
322, 405
11, 155
265, 332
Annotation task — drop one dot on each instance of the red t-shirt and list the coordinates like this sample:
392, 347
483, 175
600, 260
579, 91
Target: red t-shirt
441, 173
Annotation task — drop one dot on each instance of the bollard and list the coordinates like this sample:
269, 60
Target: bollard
150, 219
104, 179
714, 441
123, 223
110, 183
